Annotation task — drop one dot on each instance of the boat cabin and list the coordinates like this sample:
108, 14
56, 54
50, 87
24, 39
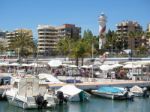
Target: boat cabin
5, 79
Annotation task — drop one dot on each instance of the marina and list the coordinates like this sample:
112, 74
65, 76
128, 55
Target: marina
62, 86
75, 56
94, 85
95, 104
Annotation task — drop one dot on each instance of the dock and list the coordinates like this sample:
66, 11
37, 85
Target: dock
95, 85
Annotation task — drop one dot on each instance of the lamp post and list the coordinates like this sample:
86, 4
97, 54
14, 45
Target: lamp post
18, 53
132, 56
110, 49
92, 60
92, 49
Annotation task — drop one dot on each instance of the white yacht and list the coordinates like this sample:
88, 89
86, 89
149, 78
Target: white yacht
72, 93
138, 91
27, 94
116, 93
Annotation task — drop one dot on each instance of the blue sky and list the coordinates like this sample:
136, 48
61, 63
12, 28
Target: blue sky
84, 13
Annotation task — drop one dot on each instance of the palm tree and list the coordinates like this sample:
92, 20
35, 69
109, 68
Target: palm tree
135, 36
142, 46
143, 50
91, 42
2, 46
79, 49
64, 45
131, 41
22, 43
74, 48
113, 41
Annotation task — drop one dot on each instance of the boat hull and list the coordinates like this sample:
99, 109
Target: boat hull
2, 96
109, 95
138, 94
19, 103
22, 104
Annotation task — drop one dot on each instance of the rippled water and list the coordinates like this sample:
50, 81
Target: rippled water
95, 104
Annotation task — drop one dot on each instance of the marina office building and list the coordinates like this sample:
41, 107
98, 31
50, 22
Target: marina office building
48, 36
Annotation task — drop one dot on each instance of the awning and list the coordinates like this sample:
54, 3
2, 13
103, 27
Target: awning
55, 63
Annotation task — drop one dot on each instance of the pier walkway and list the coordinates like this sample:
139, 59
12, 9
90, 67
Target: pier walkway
95, 85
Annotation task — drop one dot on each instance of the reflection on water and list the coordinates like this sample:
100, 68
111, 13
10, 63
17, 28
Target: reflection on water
95, 104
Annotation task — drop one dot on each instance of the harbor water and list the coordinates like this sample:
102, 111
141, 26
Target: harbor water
95, 104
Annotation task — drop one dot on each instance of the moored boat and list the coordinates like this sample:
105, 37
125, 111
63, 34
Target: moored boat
112, 93
27, 94
5, 80
138, 91
72, 93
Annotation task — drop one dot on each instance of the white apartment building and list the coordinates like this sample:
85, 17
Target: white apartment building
123, 30
48, 36
10, 35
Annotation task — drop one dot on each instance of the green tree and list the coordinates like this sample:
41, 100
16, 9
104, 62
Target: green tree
142, 37
112, 41
64, 46
143, 50
79, 50
23, 43
90, 41
88, 35
1, 47
147, 35
96, 45
133, 37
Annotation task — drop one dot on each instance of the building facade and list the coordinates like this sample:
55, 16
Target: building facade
13, 34
3, 42
148, 36
123, 32
48, 37
2, 34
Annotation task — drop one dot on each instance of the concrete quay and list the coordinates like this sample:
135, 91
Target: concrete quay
46, 59
95, 85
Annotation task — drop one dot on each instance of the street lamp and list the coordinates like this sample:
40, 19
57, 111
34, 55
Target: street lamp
92, 58
18, 55
18, 49
110, 48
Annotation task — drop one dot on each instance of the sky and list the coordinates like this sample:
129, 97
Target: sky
83, 13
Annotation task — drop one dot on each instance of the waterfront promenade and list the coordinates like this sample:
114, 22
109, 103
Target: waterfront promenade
90, 83
110, 82
46, 59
